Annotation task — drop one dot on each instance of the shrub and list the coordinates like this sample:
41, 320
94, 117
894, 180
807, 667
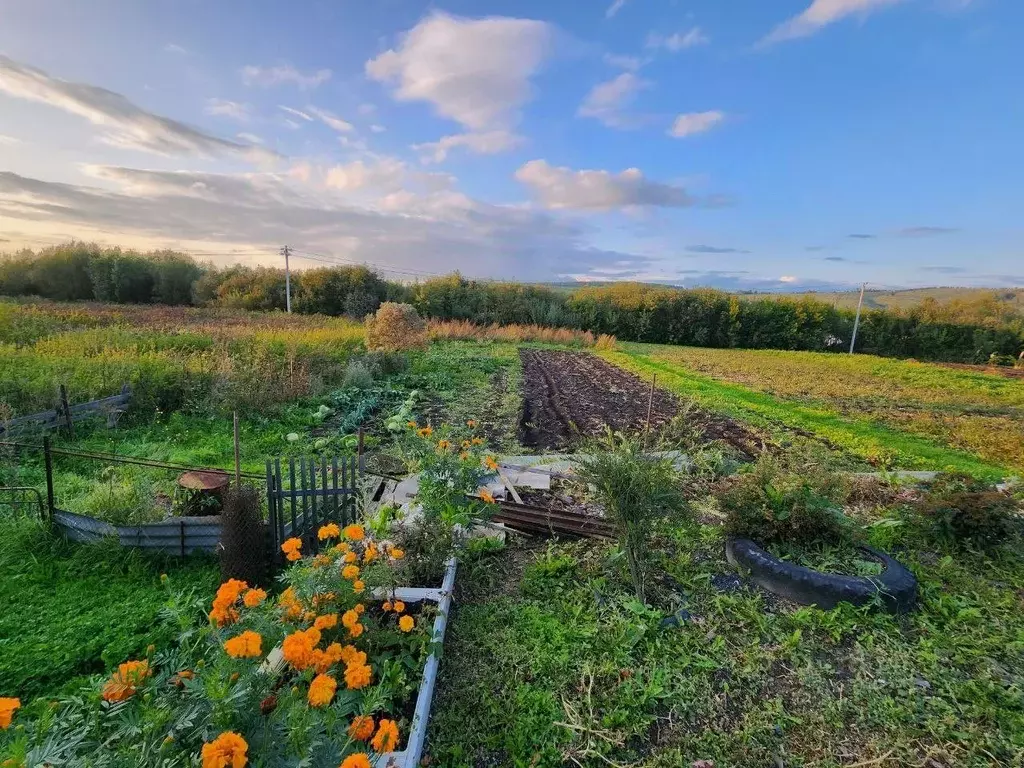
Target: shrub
395, 327
960, 509
635, 490
357, 375
780, 502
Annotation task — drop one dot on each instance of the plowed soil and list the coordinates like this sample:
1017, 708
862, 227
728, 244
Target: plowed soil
569, 395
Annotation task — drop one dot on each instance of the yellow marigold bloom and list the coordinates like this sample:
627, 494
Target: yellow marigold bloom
290, 603
386, 738
349, 618
324, 660
298, 647
411, 424
350, 655
342, 547
350, 572
397, 553
358, 586
293, 544
399, 606
486, 496
466, 443
7, 707
253, 597
246, 646
406, 623
357, 676
386, 606
425, 432
358, 760
463, 456
356, 630
354, 532
321, 690
361, 728
226, 751
327, 621
443, 445
309, 616
490, 463
329, 531
321, 560
123, 683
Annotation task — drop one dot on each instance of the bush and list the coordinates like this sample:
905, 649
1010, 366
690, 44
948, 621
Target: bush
635, 490
787, 503
395, 327
959, 509
357, 375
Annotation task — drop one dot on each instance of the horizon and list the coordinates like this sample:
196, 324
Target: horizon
801, 146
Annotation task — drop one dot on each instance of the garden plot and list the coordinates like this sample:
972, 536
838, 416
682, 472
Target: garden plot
571, 394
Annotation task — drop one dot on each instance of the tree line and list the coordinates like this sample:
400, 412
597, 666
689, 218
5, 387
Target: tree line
630, 311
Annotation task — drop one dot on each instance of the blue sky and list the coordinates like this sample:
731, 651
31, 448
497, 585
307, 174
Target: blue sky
754, 144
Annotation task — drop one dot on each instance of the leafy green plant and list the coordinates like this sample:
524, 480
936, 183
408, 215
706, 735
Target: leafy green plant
636, 490
357, 375
124, 496
962, 510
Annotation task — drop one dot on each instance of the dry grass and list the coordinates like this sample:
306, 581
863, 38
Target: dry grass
464, 330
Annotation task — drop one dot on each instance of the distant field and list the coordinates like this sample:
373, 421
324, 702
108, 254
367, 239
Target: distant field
888, 411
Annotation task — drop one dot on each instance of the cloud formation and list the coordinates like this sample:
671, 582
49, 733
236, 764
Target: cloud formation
597, 190
283, 74
926, 231
224, 108
614, 8
126, 124
821, 13
713, 249
331, 120
474, 71
692, 123
678, 41
607, 102
484, 143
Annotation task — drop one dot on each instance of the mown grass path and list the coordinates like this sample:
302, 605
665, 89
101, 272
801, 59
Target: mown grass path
862, 437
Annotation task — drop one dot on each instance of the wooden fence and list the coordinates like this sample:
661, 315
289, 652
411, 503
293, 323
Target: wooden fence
65, 415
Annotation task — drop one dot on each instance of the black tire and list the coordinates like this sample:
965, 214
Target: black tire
896, 586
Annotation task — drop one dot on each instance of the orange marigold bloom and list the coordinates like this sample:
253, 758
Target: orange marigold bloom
358, 586
397, 553
324, 660
406, 623
222, 615
291, 557
290, 603
425, 432
350, 655
253, 597
466, 443
354, 532
463, 456
477, 441
292, 549
486, 496
356, 630
443, 445
343, 546
386, 606
226, 751
371, 553
358, 760
350, 557
298, 648
327, 621
410, 424
490, 463
399, 606
350, 572
321, 690
362, 728
122, 684
321, 560
360, 608
7, 707
329, 531
386, 738
309, 616
471, 423
349, 618
178, 680
246, 646
231, 589
357, 676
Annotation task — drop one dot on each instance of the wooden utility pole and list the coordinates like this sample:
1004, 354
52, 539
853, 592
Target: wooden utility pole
856, 322
286, 252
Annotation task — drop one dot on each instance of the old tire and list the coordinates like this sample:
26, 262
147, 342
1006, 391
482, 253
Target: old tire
896, 586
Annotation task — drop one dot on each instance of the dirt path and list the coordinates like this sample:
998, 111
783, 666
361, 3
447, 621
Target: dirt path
572, 394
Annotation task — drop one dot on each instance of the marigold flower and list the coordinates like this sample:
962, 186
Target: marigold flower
290, 603
7, 707
222, 615
443, 445
490, 463
406, 623
309, 616
411, 424
293, 544
349, 618
356, 630
350, 572
231, 589
358, 586
371, 553
463, 456
386, 606
361, 728
360, 608
466, 443
342, 547
425, 432
246, 646
123, 683
399, 606
226, 751
471, 423
477, 441
397, 553
357, 760
321, 561
324, 660
327, 621
291, 557
485, 496
253, 597
178, 679
350, 655
354, 532
321, 690
386, 738
357, 676
297, 648
350, 557
329, 531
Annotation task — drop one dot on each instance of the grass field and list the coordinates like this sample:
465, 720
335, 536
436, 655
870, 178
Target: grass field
890, 412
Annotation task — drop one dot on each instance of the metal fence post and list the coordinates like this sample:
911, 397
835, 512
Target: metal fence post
48, 461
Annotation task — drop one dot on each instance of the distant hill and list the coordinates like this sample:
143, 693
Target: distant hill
911, 297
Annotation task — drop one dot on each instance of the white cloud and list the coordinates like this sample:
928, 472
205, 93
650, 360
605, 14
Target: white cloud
225, 108
387, 175
695, 122
607, 101
486, 143
628, 63
267, 77
376, 128
127, 125
474, 71
6, 140
296, 112
821, 13
251, 138
560, 187
330, 120
788, 279
678, 41
178, 49
614, 8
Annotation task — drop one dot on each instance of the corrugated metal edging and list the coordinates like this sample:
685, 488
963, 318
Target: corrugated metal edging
171, 536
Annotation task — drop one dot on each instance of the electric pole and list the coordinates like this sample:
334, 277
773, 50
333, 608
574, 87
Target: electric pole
856, 322
286, 251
